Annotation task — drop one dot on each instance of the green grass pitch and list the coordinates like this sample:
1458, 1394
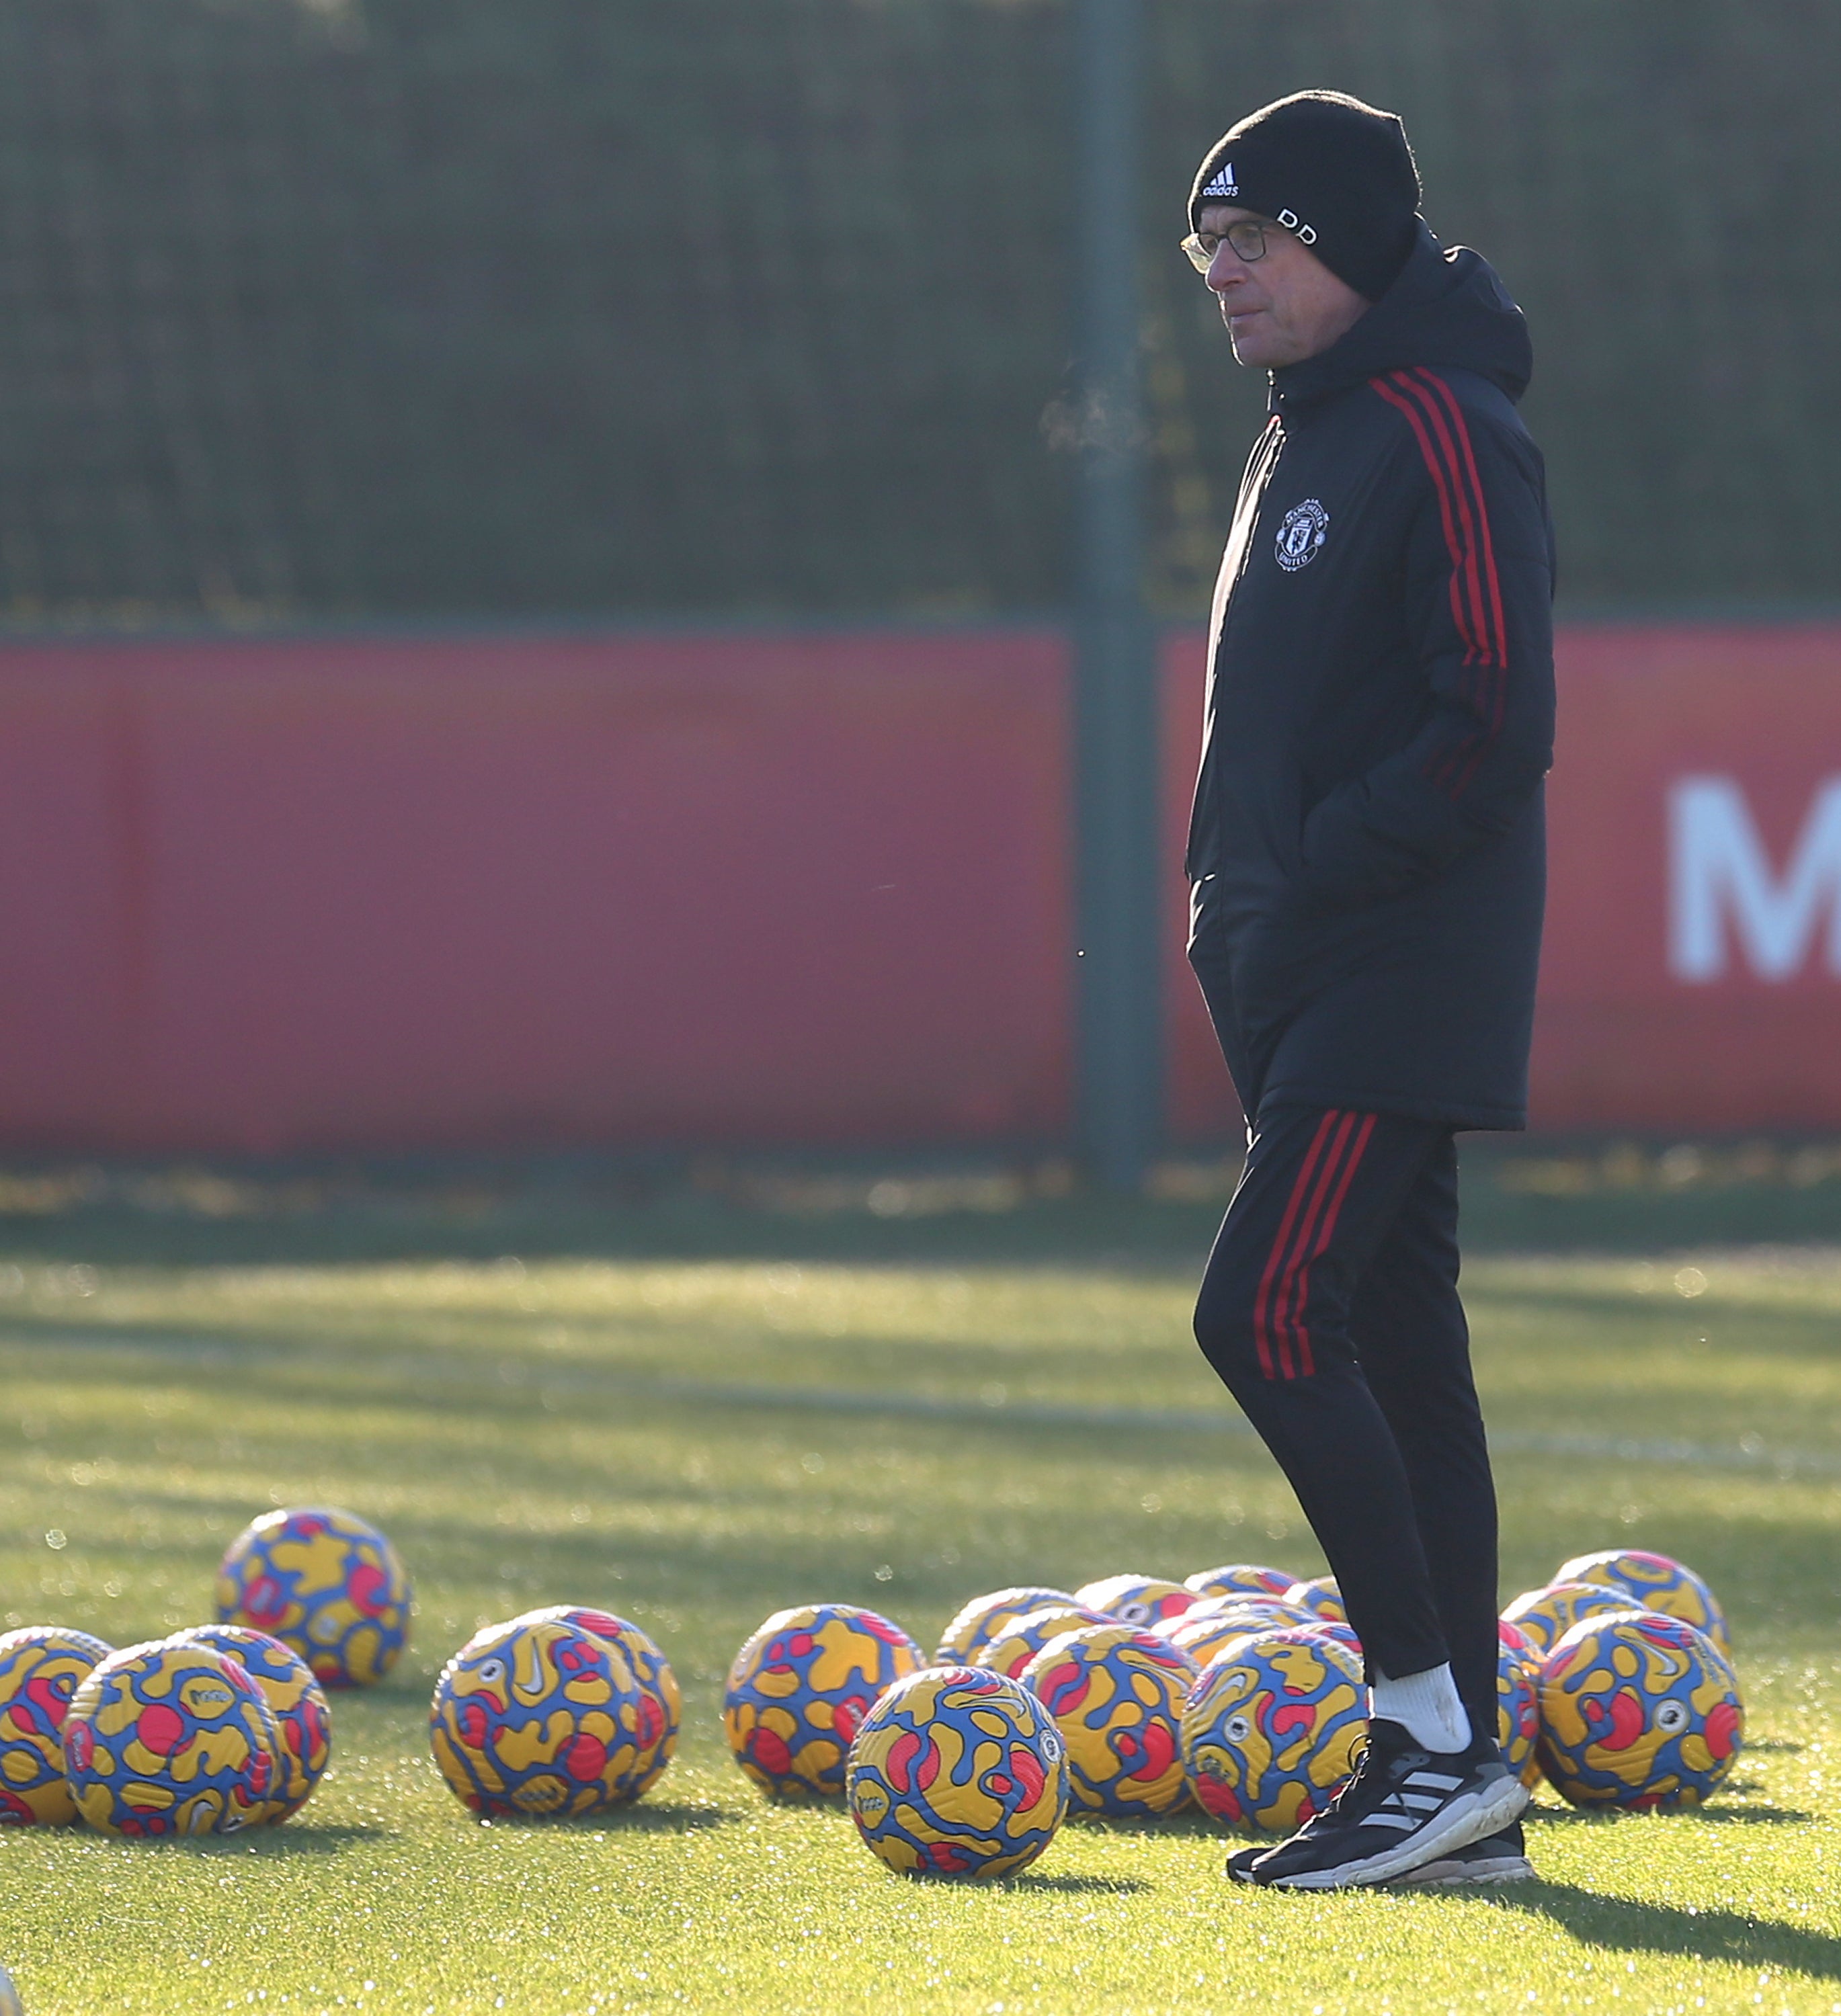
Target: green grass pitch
696, 1441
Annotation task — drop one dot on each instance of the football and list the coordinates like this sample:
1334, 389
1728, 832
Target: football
1266, 1610
798, 1691
1272, 1728
988, 1616
1657, 1583
957, 1772
1116, 1695
661, 1703
1319, 1595
538, 1717
41, 1666
1207, 1636
1245, 1578
1543, 1615
1027, 1635
324, 1582
1330, 1627
1518, 1702
1140, 1600
301, 1711
1638, 1709
169, 1738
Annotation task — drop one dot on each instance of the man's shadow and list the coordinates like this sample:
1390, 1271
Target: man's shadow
1625, 1926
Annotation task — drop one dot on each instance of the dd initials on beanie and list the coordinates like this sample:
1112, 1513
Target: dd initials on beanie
1335, 171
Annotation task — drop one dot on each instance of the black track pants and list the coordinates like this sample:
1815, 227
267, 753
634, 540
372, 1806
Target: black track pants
1330, 1309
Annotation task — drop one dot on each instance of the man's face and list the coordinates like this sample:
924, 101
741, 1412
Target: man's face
1281, 309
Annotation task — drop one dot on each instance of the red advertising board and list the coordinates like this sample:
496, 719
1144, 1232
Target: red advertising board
297, 894
1692, 974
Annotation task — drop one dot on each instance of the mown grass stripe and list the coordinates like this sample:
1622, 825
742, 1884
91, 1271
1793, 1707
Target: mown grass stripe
1751, 1456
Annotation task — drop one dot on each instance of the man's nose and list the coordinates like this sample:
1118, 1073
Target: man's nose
1226, 269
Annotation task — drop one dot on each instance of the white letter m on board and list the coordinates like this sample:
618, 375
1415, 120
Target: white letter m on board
1719, 875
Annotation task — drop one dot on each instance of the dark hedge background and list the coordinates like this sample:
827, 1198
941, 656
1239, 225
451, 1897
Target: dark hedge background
324, 308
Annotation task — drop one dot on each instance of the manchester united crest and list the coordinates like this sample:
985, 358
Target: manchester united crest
1303, 532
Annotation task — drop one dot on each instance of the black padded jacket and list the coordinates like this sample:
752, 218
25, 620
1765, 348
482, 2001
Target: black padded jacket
1367, 846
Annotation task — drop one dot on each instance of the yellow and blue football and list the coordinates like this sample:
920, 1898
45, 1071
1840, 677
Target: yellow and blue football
324, 1582
170, 1738
300, 1706
1019, 1643
41, 1666
957, 1772
1271, 1610
1638, 1709
1215, 1623
1202, 1638
1245, 1578
661, 1704
1518, 1701
1656, 1582
800, 1688
1544, 1616
988, 1616
1116, 1695
1333, 1628
1272, 1728
1319, 1595
1142, 1601
538, 1719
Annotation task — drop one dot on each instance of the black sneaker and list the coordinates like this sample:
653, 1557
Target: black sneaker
1404, 1807
1501, 1858
1240, 1863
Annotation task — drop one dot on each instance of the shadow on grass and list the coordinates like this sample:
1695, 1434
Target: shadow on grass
1077, 1886
296, 1837
664, 1818
1160, 1826
1627, 1926
645, 1818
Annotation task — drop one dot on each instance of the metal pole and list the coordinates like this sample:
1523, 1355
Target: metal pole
1120, 1069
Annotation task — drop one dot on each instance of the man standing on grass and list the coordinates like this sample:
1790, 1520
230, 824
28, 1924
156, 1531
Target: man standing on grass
1367, 860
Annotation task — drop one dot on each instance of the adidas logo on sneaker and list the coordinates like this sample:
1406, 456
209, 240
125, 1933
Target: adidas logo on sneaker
1423, 1792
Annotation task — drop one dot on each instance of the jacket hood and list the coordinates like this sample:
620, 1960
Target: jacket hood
1446, 308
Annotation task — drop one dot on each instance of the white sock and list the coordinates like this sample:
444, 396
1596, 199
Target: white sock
1425, 1705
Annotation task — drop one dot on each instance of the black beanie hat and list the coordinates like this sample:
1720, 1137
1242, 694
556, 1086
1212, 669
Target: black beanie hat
1335, 171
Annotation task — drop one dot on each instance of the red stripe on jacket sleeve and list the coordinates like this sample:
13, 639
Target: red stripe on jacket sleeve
1440, 392
1438, 424
1468, 554
1460, 615
1461, 429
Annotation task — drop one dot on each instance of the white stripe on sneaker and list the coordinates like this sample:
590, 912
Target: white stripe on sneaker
1482, 1813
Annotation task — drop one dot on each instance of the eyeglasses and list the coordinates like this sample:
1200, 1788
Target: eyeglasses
1245, 237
